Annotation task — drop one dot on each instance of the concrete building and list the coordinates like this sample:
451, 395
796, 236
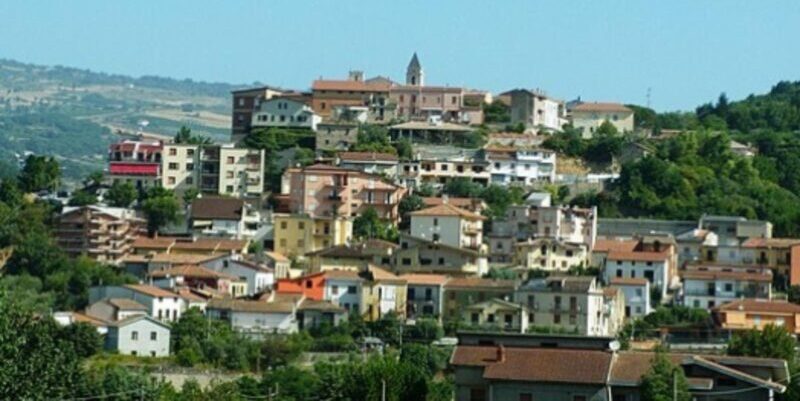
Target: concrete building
438, 165
372, 94
433, 132
536, 110
637, 295
136, 162
300, 234
198, 277
383, 164
161, 304
748, 314
336, 135
138, 335
425, 295
706, 286
327, 191
648, 258
115, 309
245, 101
256, 318
588, 117
461, 292
521, 166
283, 112
104, 234
224, 217
550, 254
781, 255
353, 256
383, 293
496, 314
344, 288
448, 225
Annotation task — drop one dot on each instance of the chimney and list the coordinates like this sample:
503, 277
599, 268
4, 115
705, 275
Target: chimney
501, 353
444, 198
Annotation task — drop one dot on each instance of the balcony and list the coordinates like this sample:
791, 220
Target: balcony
471, 230
335, 197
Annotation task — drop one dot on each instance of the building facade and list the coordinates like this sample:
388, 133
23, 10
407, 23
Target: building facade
104, 234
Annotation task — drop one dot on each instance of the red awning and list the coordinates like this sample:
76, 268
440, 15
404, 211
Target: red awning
134, 169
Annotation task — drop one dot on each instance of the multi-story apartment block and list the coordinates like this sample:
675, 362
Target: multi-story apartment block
373, 94
781, 255
706, 286
448, 225
383, 164
523, 166
652, 258
550, 254
299, 234
245, 101
536, 110
327, 191
284, 113
588, 117
224, 217
136, 162
232, 171
570, 303
104, 234
438, 165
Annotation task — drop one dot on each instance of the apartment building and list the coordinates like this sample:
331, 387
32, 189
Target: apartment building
521, 166
709, 285
136, 162
282, 112
299, 234
432, 132
536, 110
637, 295
425, 295
327, 191
438, 165
550, 254
461, 292
224, 217
496, 314
344, 289
781, 255
383, 164
651, 257
588, 117
245, 101
573, 304
383, 293
104, 234
372, 94
352, 256
747, 314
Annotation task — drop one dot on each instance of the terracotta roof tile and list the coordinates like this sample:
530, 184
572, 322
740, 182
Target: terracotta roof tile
425, 279
628, 281
641, 256
446, 209
602, 107
349, 85
760, 306
217, 208
474, 282
151, 290
191, 271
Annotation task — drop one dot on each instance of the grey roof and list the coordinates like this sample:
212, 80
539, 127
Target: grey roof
136, 318
575, 284
414, 63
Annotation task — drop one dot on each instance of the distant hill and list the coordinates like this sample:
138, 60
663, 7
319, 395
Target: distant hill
74, 113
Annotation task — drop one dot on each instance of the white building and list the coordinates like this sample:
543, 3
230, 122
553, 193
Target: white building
343, 288
448, 225
424, 295
536, 110
645, 258
224, 217
513, 165
588, 117
707, 286
256, 317
161, 304
285, 113
259, 277
637, 295
385, 164
138, 335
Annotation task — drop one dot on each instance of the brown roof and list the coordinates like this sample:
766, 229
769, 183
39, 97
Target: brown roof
642, 256
174, 258
602, 107
608, 245
323, 306
464, 203
342, 275
217, 208
278, 257
378, 274
251, 306
628, 281
191, 271
84, 318
124, 303
475, 282
349, 85
211, 244
546, 365
446, 209
770, 242
151, 290
742, 274
425, 279
368, 156
143, 241
760, 306
610, 292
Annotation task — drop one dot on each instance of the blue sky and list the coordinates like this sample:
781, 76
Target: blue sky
686, 51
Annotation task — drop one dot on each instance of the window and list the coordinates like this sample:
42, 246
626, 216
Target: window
135, 335
309, 284
189, 166
351, 289
441, 261
556, 319
229, 174
173, 166
578, 398
171, 180
335, 290
728, 287
229, 188
189, 152
173, 151
230, 160
153, 336
435, 222
284, 225
189, 181
477, 394
283, 242
435, 237
301, 225
490, 318
475, 318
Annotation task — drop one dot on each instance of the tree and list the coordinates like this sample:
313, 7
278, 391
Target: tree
82, 198
184, 135
463, 188
664, 381
405, 151
40, 173
190, 195
121, 194
369, 225
410, 203
771, 342
160, 209
373, 138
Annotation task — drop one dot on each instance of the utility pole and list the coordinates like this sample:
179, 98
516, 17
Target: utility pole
383, 390
674, 385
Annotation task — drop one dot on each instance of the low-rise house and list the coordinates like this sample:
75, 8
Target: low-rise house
434, 132
138, 335
224, 217
428, 256
496, 314
161, 304
144, 245
382, 293
524, 140
474, 205
256, 317
140, 265
522, 166
258, 276
652, 258
336, 135
280, 264
135, 162
464, 291
66, 318
284, 113
195, 276
747, 314
114, 309
300, 234
104, 234
692, 243
570, 304
550, 254
781, 255
448, 225
310, 286
425, 295
536, 110
706, 286
343, 288
637, 295
588, 117
353, 257
384, 164
438, 165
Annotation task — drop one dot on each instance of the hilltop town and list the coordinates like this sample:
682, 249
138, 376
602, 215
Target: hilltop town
436, 242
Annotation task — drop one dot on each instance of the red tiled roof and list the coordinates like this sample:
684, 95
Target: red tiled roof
770, 242
368, 156
446, 209
484, 283
191, 271
760, 306
742, 274
425, 279
638, 256
151, 290
627, 281
348, 85
607, 245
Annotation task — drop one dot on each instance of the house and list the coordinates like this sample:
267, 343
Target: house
588, 117
138, 335
510, 366
144, 245
781, 255
310, 286
257, 276
280, 264
709, 285
161, 304
448, 225
520, 166
140, 265
496, 314
256, 317
327, 191
692, 243
474, 205
372, 94
743, 150
437, 165
383, 164
283, 112
536, 110
301, 234
71, 317
746, 314
353, 257
104, 234
382, 293
524, 140
425, 295
614, 309
550, 254
428, 256
569, 304
460, 292
135, 162
637, 295
433, 133
115, 309
245, 102
336, 135
735, 228
343, 288
195, 276
650, 257
224, 217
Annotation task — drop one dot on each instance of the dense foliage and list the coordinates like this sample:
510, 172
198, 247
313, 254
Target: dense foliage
664, 381
770, 342
497, 197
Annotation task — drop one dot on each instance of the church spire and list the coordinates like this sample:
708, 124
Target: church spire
414, 74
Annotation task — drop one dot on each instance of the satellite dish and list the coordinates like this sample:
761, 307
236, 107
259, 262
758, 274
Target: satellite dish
614, 346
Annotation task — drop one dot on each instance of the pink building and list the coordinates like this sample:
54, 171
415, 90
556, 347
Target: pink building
323, 190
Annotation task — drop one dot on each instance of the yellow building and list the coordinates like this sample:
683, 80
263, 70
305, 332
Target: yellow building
382, 293
353, 257
299, 234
